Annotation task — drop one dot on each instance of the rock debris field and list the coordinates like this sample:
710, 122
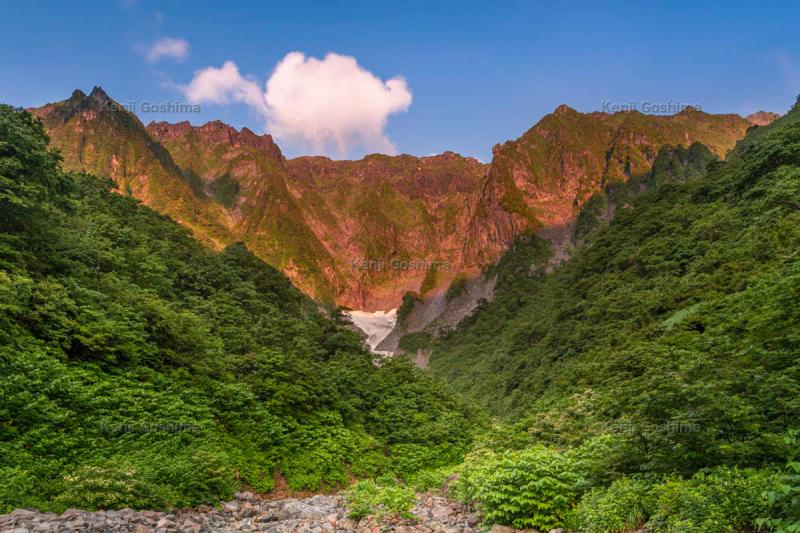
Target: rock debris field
247, 512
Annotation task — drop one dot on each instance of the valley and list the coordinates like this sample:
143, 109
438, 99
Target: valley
399, 267
595, 332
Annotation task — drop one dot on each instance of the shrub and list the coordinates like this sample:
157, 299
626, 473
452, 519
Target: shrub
622, 506
111, 486
320, 455
721, 500
410, 299
784, 499
457, 287
535, 487
603, 458
368, 497
432, 479
411, 342
407, 459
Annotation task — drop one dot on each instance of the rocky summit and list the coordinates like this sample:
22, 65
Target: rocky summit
317, 514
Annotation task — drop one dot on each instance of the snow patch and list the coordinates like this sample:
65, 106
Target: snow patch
375, 324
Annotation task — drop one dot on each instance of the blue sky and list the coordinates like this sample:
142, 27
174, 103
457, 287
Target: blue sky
479, 72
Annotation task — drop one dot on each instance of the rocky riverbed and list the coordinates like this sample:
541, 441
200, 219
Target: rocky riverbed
318, 514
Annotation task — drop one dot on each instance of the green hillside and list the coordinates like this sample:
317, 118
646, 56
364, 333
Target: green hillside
669, 345
142, 369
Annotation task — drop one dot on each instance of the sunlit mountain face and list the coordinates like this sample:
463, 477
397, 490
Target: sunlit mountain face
363, 233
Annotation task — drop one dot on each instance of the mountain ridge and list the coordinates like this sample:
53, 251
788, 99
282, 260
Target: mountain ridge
319, 219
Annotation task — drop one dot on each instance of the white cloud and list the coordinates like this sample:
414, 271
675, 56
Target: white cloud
328, 106
332, 104
225, 85
167, 47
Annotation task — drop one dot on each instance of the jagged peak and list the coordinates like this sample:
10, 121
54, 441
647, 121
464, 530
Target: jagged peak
564, 109
167, 130
97, 100
99, 94
216, 124
163, 123
216, 131
450, 154
447, 155
77, 94
78, 102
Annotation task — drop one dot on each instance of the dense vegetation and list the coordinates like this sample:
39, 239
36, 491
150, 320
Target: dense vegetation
655, 376
141, 369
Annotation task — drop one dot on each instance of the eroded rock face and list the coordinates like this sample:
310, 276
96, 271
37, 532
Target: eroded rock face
318, 514
439, 313
547, 174
362, 233
394, 223
213, 133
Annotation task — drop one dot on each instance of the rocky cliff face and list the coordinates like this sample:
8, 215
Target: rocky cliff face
396, 224
545, 176
362, 233
358, 232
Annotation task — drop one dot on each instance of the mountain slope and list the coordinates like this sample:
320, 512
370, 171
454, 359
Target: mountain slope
245, 173
555, 166
99, 136
762, 118
675, 328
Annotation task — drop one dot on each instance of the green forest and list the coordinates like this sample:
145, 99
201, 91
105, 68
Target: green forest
668, 347
653, 379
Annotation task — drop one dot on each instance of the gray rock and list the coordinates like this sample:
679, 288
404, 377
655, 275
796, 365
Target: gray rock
317, 514
300, 510
165, 523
